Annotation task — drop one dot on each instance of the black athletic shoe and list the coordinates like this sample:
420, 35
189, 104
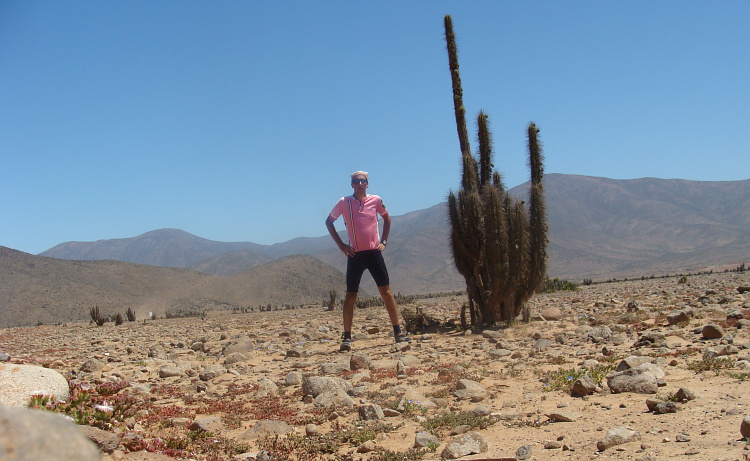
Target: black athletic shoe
346, 345
402, 338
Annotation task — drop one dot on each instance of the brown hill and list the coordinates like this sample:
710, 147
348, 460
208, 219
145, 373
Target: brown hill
231, 263
37, 289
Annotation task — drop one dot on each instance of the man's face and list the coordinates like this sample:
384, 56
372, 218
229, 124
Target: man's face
359, 183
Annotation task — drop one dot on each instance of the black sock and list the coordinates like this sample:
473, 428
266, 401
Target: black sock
348, 335
396, 330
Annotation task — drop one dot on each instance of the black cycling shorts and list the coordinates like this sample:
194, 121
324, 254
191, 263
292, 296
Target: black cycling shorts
371, 260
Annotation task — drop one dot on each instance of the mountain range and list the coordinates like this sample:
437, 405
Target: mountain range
599, 228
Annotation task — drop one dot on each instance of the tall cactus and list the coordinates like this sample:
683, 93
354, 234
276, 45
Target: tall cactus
499, 250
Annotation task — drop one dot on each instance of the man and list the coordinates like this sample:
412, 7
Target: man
364, 251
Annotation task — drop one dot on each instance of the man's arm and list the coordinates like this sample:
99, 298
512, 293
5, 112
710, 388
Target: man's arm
386, 231
348, 251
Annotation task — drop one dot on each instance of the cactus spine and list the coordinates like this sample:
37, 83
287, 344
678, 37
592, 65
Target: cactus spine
497, 246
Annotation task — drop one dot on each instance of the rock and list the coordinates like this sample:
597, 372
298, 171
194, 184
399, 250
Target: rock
558, 417
235, 357
106, 441
316, 385
4, 357
367, 447
359, 362
371, 412
335, 368
542, 344
33, 435
745, 427
412, 396
19, 382
293, 378
637, 380
296, 351
266, 388
467, 389
712, 331
492, 334
632, 361
552, 314
676, 317
469, 443
207, 424
523, 452
211, 372
662, 408
92, 365
599, 334
425, 440
685, 395
583, 386
311, 429
481, 410
618, 436
337, 398
499, 353
652, 402
265, 428
650, 338
170, 370
242, 344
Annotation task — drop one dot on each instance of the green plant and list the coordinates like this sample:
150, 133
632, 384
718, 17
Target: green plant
560, 380
498, 249
99, 407
741, 376
442, 423
409, 455
715, 364
552, 285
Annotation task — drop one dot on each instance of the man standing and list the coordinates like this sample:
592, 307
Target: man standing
364, 251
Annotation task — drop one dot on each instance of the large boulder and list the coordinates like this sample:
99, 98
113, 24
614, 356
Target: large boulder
639, 380
466, 444
33, 435
19, 382
316, 385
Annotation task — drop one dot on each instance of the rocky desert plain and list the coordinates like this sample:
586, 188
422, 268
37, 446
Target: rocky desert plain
648, 369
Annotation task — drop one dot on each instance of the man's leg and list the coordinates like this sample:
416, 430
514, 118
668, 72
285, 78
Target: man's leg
349, 300
390, 306
390, 303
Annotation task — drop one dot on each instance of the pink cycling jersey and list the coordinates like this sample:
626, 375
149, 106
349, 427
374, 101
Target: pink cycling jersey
361, 219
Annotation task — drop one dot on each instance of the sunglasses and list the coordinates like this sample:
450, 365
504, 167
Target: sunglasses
359, 181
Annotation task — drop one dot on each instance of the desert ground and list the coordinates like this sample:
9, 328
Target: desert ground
221, 387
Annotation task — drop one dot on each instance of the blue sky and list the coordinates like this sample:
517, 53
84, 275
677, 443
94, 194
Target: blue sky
241, 121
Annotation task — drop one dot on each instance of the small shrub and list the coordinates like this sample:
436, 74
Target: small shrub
130, 314
561, 380
715, 364
442, 423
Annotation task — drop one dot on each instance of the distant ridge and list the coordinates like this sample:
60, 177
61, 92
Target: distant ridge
37, 289
598, 228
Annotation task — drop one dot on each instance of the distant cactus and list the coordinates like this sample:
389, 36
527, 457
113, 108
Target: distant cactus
119, 320
332, 302
96, 316
130, 313
499, 248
